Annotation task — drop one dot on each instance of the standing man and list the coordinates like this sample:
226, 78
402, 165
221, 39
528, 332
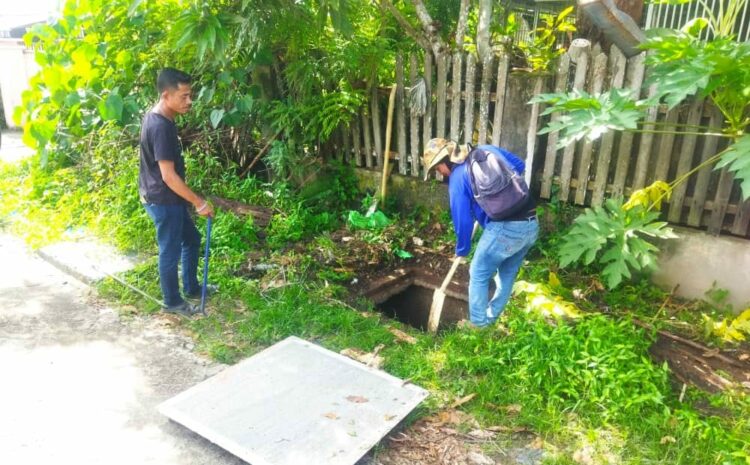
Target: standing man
166, 197
504, 242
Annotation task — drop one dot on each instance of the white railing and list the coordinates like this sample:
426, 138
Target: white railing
675, 16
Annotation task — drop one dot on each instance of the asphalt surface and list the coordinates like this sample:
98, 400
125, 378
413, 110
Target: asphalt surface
79, 385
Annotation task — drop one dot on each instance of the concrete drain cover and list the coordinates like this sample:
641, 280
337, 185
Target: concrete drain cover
295, 403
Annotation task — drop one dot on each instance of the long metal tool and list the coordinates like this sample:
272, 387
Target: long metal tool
130, 286
204, 291
438, 298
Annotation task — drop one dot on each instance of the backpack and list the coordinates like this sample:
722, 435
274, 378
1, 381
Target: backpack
497, 188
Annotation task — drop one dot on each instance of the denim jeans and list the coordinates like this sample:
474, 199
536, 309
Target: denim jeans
499, 253
178, 238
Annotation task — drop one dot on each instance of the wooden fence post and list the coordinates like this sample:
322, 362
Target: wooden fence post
484, 99
401, 115
698, 204
633, 81
456, 95
502, 82
376, 134
416, 149
617, 61
469, 86
685, 162
582, 63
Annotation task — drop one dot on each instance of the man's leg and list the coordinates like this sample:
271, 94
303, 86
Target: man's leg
516, 233
483, 267
168, 220
191, 244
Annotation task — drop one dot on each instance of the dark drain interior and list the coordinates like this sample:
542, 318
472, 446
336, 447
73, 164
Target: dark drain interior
412, 306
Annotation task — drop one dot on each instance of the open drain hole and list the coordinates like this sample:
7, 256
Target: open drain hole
412, 306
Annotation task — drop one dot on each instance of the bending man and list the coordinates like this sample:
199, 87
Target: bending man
503, 244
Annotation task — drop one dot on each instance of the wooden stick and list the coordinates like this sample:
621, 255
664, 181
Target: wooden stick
260, 154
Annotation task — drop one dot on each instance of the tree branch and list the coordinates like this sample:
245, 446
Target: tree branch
463, 17
408, 28
430, 27
483, 29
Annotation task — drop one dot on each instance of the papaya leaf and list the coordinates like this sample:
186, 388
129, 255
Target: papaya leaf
737, 160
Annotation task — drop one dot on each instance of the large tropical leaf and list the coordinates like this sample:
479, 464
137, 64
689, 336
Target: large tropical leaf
737, 159
590, 116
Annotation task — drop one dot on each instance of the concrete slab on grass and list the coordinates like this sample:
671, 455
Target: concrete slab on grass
86, 259
296, 403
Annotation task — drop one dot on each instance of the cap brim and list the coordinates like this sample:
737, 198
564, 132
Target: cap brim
433, 164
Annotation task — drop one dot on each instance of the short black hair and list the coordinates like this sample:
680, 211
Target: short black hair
171, 78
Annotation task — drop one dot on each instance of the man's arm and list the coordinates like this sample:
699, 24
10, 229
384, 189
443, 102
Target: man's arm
463, 219
178, 186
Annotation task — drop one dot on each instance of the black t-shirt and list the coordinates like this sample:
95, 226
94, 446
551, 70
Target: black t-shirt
159, 142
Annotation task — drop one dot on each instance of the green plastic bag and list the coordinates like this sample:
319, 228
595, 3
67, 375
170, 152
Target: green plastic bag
377, 220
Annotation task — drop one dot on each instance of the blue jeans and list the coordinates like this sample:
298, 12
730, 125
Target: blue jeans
499, 253
178, 238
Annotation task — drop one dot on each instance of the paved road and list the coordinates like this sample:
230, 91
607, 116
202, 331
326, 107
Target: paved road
79, 386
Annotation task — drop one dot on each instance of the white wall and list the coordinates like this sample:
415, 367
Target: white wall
696, 260
17, 66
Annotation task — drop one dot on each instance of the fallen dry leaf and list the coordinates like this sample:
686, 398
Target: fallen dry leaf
369, 359
482, 434
454, 417
463, 400
538, 443
476, 458
508, 429
668, 439
331, 415
402, 336
357, 399
512, 408
389, 417
711, 353
744, 357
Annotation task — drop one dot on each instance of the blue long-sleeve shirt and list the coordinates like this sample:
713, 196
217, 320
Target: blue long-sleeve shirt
464, 209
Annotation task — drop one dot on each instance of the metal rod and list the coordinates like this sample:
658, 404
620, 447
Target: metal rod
204, 291
130, 286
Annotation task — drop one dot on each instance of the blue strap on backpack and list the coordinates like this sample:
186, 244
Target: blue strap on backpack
498, 189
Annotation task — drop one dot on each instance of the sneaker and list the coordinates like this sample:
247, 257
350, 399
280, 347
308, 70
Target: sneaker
211, 289
185, 309
466, 324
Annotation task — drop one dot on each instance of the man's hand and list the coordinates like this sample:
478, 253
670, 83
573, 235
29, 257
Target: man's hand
204, 208
461, 260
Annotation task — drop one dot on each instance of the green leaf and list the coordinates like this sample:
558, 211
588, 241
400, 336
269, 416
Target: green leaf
590, 116
737, 159
216, 117
110, 108
618, 232
695, 26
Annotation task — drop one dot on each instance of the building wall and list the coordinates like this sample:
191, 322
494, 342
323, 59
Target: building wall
697, 261
17, 66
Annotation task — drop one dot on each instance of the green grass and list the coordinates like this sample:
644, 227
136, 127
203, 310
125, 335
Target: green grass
588, 384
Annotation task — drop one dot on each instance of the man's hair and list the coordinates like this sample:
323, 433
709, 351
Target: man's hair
170, 78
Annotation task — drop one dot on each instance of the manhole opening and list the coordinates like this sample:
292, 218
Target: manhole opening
412, 306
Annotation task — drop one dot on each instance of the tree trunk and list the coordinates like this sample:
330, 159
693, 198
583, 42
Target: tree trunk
483, 29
